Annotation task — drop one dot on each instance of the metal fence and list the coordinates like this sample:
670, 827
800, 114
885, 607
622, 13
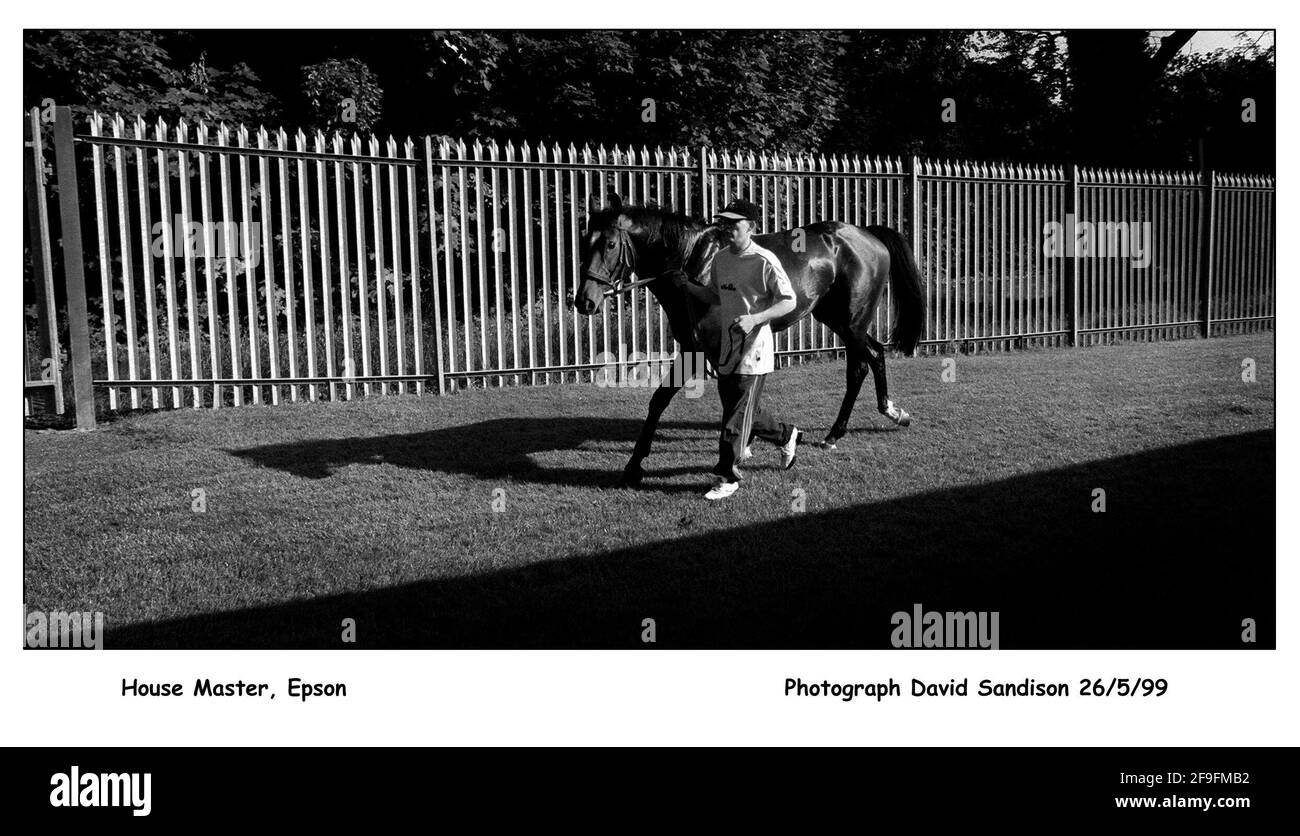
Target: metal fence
236, 267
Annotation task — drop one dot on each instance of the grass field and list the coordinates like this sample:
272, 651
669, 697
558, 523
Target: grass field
383, 511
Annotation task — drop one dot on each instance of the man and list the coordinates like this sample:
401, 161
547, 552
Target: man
751, 286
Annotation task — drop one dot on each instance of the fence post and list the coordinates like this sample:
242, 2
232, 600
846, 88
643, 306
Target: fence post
74, 276
1072, 252
433, 262
1207, 250
704, 183
914, 189
46, 398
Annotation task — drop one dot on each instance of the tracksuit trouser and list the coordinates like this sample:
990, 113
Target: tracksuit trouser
743, 419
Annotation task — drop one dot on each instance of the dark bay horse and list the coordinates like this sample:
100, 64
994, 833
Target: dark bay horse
839, 273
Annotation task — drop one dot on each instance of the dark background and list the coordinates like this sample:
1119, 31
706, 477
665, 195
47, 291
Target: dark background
1124, 98
303, 789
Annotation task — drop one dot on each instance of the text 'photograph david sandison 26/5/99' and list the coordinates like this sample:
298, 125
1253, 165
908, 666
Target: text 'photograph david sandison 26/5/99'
1025, 687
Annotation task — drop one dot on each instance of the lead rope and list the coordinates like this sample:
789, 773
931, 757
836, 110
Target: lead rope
731, 343
731, 340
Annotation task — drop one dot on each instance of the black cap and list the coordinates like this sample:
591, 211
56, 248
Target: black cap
740, 210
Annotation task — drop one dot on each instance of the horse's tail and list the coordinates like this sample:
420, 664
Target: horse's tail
909, 297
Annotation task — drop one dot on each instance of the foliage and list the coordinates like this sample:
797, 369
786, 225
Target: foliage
1092, 97
1204, 98
342, 95
132, 73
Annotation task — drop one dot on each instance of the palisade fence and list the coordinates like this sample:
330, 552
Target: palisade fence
210, 267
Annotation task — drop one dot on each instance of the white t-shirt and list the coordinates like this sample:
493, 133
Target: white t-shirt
748, 281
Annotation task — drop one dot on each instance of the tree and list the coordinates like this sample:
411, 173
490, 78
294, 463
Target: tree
1222, 104
1112, 98
773, 90
1113, 77
132, 73
982, 95
342, 96
757, 90
107, 70
894, 83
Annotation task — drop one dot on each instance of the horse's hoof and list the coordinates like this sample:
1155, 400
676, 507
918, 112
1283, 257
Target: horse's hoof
824, 445
896, 414
630, 478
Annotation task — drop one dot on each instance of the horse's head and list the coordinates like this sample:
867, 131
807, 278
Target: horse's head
607, 254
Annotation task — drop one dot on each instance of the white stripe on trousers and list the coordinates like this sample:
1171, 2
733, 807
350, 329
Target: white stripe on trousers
748, 425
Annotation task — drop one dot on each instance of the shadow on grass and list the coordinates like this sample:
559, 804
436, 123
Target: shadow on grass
1183, 553
495, 449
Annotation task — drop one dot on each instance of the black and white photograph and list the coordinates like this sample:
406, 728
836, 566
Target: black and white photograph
649, 339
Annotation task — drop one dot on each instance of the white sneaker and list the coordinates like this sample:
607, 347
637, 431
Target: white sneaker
788, 449
722, 490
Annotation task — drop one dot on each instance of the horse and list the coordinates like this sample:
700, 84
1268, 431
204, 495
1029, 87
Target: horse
839, 273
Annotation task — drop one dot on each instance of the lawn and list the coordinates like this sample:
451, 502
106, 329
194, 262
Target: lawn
487, 518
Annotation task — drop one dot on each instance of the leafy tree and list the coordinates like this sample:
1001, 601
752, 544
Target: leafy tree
462, 67
1199, 109
554, 87
342, 95
132, 73
1092, 97
200, 92
1016, 83
1113, 78
772, 90
747, 89
107, 70
894, 83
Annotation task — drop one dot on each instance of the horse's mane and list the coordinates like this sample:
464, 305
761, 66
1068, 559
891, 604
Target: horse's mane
676, 231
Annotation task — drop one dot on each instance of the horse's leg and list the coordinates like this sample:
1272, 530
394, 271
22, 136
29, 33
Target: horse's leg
849, 311
876, 359
659, 401
863, 352
855, 371
833, 311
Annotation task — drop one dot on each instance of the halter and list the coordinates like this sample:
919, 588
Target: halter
625, 267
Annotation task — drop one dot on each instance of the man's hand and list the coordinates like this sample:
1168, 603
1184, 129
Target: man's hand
748, 322
702, 293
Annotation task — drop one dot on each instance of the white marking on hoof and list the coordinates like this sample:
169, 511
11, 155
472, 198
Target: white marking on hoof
897, 414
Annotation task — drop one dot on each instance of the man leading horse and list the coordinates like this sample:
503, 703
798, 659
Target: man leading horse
751, 288
838, 272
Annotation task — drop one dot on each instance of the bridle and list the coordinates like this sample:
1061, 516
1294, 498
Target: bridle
626, 266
